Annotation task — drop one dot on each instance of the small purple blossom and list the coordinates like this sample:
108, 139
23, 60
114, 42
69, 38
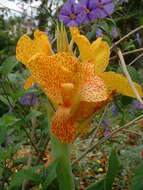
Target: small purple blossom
72, 13
114, 32
106, 122
89, 10
139, 39
28, 99
137, 105
55, 50
99, 33
103, 8
107, 132
121, 2
10, 109
115, 110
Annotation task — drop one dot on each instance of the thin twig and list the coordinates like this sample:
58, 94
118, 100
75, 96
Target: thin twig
137, 95
43, 152
26, 181
136, 59
128, 53
132, 132
29, 162
31, 141
103, 140
100, 122
127, 36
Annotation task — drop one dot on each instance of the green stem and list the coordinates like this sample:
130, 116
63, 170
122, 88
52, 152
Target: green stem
62, 153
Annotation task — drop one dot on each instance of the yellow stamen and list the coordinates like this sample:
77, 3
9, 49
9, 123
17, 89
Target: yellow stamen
87, 11
100, 5
72, 15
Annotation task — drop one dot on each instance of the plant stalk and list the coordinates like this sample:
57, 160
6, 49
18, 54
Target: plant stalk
62, 153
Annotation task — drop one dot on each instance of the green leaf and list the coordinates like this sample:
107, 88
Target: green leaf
19, 177
6, 154
97, 186
4, 100
33, 114
8, 120
134, 73
51, 170
137, 180
3, 132
126, 100
8, 65
112, 170
1, 171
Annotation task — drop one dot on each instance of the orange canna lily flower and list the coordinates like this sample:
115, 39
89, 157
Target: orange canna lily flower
78, 87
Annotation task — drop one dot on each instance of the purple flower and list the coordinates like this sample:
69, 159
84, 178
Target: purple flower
89, 10
29, 99
10, 109
103, 8
99, 33
72, 13
55, 50
137, 105
106, 122
139, 39
121, 2
114, 32
115, 110
107, 132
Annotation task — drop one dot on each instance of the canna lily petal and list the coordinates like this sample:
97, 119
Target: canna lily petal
94, 96
101, 56
26, 47
87, 109
98, 52
119, 83
62, 125
28, 82
93, 88
51, 71
82, 43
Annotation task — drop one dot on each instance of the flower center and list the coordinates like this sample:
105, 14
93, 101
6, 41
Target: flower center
100, 5
72, 16
87, 11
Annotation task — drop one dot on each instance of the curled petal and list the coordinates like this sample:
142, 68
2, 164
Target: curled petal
87, 109
51, 71
119, 83
62, 125
101, 55
26, 47
98, 52
94, 95
82, 43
